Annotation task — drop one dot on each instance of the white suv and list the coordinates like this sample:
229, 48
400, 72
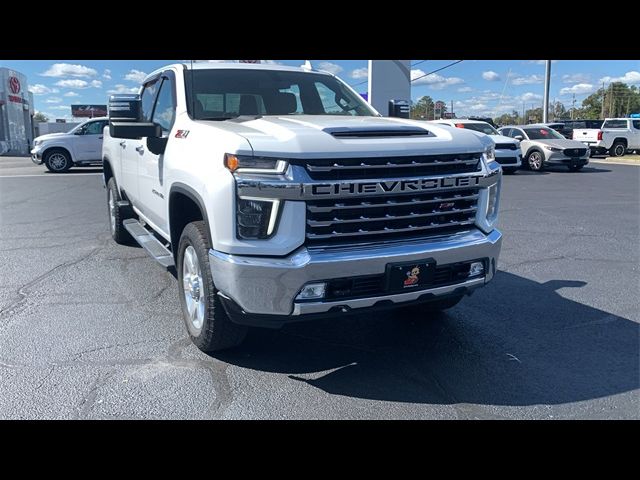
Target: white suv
80, 146
508, 153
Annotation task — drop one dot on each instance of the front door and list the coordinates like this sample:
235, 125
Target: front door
87, 144
151, 184
133, 150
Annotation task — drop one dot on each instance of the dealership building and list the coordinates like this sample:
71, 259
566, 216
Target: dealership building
16, 113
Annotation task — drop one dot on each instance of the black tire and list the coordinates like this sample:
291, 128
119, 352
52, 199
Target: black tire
57, 160
217, 331
618, 149
509, 170
433, 307
535, 160
575, 168
116, 215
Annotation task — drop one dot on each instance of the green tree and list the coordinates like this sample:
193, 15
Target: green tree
512, 118
558, 110
40, 117
423, 108
619, 100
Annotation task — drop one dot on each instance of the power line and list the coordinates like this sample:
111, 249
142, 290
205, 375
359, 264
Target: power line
417, 78
438, 70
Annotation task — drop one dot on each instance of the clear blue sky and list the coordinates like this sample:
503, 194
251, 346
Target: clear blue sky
485, 87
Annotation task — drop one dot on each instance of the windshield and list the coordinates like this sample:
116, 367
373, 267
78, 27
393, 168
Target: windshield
222, 94
542, 133
479, 127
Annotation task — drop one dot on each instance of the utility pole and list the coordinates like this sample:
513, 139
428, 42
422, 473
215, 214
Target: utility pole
523, 121
451, 108
573, 106
611, 102
547, 83
603, 99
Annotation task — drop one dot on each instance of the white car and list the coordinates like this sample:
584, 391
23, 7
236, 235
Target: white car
81, 146
508, 153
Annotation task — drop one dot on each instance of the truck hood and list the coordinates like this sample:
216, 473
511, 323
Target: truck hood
312, 136
50, 136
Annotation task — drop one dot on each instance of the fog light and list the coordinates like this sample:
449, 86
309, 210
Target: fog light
311, 291
476, 268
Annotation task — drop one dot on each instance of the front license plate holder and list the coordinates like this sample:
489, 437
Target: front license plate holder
407, 276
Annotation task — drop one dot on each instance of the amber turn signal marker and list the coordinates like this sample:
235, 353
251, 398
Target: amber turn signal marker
231, 162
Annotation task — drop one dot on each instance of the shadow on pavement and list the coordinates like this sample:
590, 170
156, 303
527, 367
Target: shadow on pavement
77, 170
531, 347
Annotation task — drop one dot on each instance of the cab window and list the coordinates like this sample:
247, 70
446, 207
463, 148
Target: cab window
148, 96
93, 128
165, 109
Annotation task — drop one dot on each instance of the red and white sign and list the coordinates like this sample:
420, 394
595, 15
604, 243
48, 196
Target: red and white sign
14, 85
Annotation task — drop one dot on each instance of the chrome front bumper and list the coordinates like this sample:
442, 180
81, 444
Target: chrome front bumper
36, 155
262, 285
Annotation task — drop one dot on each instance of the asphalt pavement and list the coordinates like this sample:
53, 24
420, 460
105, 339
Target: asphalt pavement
91, 329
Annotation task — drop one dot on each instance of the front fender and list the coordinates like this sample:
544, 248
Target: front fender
63, 145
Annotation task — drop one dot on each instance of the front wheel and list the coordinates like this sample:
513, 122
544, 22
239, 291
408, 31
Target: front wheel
208, 324
57, 160
535, 161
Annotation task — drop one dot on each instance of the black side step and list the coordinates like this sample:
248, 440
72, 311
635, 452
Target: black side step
151, 244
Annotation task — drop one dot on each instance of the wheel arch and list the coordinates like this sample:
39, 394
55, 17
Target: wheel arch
58, 147
620, 140
185, 206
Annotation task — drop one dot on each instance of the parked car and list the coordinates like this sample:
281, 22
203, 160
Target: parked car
508, 153
615, 137
80, 146
542, 146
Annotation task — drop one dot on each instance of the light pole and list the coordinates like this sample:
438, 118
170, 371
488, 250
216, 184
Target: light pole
547, 82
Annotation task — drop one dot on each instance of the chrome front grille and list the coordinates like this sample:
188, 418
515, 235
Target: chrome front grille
395, 217
390, 167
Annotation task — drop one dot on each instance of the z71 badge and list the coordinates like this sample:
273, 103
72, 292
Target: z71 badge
182, 133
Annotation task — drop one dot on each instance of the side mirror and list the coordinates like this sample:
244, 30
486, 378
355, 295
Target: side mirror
519, 137
125, 108
134, 130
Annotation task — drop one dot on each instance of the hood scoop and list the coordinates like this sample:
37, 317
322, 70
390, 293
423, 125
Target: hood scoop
378, 132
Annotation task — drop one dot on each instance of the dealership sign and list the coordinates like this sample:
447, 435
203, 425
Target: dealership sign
89, 111
14, 87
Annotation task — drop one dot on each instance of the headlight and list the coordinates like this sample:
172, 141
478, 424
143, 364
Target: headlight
250, 164
552, 149
256, 219
488, 206
490, 154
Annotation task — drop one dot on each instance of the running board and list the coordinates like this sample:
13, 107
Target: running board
157, 250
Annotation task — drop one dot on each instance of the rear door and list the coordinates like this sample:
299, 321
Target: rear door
151, 183
634, 141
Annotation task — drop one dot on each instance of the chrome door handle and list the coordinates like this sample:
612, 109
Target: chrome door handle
123, 144
140, 149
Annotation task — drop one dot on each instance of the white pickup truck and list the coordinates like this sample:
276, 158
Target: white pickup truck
615, 137
80, 146
280, 195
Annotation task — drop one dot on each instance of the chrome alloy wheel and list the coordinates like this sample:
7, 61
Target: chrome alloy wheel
193, 287
58, 161
535, 161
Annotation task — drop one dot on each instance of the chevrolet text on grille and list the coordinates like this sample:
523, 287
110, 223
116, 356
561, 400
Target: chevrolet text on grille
396, 186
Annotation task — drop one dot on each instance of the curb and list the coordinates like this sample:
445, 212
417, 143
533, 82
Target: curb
616, 162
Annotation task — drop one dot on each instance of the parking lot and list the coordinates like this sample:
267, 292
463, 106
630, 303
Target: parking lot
92, 329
